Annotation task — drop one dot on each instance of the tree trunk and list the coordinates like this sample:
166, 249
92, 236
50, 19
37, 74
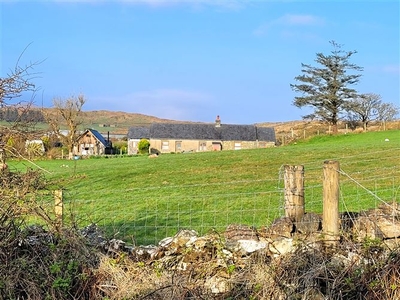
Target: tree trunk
70, 152
334, 128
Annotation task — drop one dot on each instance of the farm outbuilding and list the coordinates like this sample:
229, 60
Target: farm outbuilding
91, 142
197, 137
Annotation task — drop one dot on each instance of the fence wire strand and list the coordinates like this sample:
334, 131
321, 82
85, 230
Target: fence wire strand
254, 202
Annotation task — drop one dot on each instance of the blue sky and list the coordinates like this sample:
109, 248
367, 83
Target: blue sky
195, 59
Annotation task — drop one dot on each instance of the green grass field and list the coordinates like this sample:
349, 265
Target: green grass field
149, 199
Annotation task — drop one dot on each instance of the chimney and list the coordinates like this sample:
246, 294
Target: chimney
218, 122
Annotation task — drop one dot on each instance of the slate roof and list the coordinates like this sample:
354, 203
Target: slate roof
237, 132
266, 134
139, 132
98, 136
187, 131
202, 131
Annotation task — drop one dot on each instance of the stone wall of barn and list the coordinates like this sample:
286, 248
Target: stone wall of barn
133, 146
238, 145
178, 146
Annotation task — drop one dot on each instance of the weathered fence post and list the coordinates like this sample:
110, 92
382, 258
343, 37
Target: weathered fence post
294, 192
58, 205
330, 215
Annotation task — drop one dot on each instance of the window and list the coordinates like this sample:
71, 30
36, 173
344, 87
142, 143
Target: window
178, 146
203, 146
164, 145
238, 146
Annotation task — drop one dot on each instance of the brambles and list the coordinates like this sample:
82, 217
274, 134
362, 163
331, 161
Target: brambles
38, 262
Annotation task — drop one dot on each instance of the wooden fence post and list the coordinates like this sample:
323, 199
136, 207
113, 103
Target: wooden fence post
330, 215
294, 192
58, 205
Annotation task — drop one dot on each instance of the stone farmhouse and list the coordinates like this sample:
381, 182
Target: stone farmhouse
197, 137
91, 142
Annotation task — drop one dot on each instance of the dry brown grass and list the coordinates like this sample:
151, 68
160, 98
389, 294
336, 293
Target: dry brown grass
121, 278
366, 270
292, 131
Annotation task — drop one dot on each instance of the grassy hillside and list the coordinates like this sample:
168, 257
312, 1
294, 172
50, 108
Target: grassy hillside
152, 198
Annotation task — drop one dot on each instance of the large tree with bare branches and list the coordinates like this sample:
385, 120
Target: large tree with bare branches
326, 88
68, 112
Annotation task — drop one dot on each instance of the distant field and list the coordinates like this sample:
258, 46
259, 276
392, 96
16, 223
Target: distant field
148, 199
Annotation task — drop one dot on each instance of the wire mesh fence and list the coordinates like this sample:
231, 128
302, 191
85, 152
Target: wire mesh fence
147, 215
135, 217
147, 220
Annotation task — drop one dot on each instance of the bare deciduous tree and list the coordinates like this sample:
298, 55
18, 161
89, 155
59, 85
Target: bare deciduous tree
66, 111
365, 108
387, 112
15, 84
369, 107
17, 81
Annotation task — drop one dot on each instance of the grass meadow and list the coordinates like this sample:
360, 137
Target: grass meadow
145, 200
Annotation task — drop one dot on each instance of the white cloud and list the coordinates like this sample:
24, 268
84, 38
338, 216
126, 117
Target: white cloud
300, 20
288, 20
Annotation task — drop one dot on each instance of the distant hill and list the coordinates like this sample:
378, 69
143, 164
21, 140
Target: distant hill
117, 122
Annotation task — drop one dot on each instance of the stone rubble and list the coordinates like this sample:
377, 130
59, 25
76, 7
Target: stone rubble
186, 250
